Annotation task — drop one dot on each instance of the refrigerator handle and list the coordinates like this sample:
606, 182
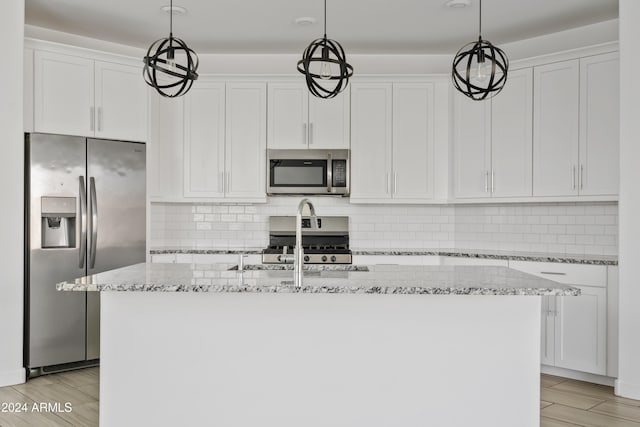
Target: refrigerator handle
83, 223
93, 214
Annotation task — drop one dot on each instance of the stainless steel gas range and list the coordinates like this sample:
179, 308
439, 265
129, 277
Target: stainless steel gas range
328, 244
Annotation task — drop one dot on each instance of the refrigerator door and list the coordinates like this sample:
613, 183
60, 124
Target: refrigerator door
117, 216
55, 219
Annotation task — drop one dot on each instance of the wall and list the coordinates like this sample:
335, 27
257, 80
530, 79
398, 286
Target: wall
585, 228
11, 175
628, 383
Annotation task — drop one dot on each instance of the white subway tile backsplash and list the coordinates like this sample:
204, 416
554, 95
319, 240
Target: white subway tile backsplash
589, 228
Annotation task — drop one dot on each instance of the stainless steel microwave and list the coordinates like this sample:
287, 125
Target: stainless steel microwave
310, 171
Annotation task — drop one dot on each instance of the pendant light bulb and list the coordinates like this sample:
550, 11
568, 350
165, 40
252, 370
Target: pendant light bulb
171, 60
325, 70
482, 72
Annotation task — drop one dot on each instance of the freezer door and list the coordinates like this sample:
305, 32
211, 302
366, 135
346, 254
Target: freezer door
117, 215
55, 330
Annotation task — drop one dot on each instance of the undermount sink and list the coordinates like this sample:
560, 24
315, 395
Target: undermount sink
305, 267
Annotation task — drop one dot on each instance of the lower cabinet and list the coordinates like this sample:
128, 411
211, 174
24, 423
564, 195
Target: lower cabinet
573, 329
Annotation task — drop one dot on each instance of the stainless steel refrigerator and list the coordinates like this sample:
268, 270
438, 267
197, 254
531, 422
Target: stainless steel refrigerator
85, 213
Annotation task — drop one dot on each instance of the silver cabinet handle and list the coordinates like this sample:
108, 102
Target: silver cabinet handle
388, 182
100, 118
395, 182
582, 177
573, 177
221, 183
228, 180
493, 187
556, 273
93, 214
83, 222
310, 133
305, 135
486, 181
92, 119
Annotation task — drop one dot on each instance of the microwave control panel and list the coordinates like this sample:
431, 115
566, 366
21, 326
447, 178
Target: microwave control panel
339, 173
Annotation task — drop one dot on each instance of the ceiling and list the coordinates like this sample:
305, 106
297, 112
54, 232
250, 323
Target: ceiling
361, 26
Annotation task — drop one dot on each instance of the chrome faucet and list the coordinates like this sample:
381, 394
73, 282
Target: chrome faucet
298, 252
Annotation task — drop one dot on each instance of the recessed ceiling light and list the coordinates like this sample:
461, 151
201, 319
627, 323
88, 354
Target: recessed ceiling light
176, 10
458, 4
305, 20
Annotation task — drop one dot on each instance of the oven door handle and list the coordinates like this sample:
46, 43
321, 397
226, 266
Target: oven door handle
329, 174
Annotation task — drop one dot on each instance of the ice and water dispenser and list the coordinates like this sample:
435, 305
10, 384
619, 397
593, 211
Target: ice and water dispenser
58, 218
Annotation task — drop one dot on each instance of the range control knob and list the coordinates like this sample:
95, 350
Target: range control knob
306, 258
333, 258
324, 258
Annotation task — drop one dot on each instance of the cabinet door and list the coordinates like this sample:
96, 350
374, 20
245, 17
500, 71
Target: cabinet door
555, 133
599, 124
512, 137
204, 122
371, 107
547, 331
165, 148
472, 147
413, 110
246, 143
581, 327
329, 121
287, 115
121, 102
63, 94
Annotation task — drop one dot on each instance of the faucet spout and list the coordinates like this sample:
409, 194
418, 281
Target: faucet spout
298, 252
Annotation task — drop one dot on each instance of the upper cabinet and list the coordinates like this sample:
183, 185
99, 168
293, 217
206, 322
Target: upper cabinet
393, 138
556, 129
298, 120
79, 96
576, 127
492, 141
225, 141
599, 124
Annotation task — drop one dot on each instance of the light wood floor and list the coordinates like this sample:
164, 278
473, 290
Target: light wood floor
564, 403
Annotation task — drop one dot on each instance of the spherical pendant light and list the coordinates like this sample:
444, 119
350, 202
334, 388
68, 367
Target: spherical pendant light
479, 68
170, 66
325, 66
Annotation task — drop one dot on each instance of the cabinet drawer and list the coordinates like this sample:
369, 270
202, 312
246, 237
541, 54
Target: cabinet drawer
571, 274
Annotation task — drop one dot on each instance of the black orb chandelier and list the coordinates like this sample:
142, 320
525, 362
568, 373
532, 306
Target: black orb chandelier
162, 72
324, 65
479, 68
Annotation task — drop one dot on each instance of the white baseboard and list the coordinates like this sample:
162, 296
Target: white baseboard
17, 376
577, 375
628, 390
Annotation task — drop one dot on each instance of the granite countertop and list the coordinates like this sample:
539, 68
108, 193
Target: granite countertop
419, 280
459, 253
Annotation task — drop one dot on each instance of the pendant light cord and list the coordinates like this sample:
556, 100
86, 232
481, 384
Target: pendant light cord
480, 21
325, 19
170, 20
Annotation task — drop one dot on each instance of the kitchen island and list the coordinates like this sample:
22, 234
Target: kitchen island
190, 344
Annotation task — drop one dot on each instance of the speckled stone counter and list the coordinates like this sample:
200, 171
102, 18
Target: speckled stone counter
423, 280
457, 253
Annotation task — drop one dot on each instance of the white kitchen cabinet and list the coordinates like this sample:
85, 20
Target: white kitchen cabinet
371, 138
297, 119
574, 329
225, 141
599, 124
245, 142
79, 96
556, 129
492, 141
63, 94
204, 136
471, 147
413, 136
165, 148
392, 142
121, 102
512, 137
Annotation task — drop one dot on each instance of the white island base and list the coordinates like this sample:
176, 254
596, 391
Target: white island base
319, 360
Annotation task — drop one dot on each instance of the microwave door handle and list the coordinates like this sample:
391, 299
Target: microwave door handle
329, 174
